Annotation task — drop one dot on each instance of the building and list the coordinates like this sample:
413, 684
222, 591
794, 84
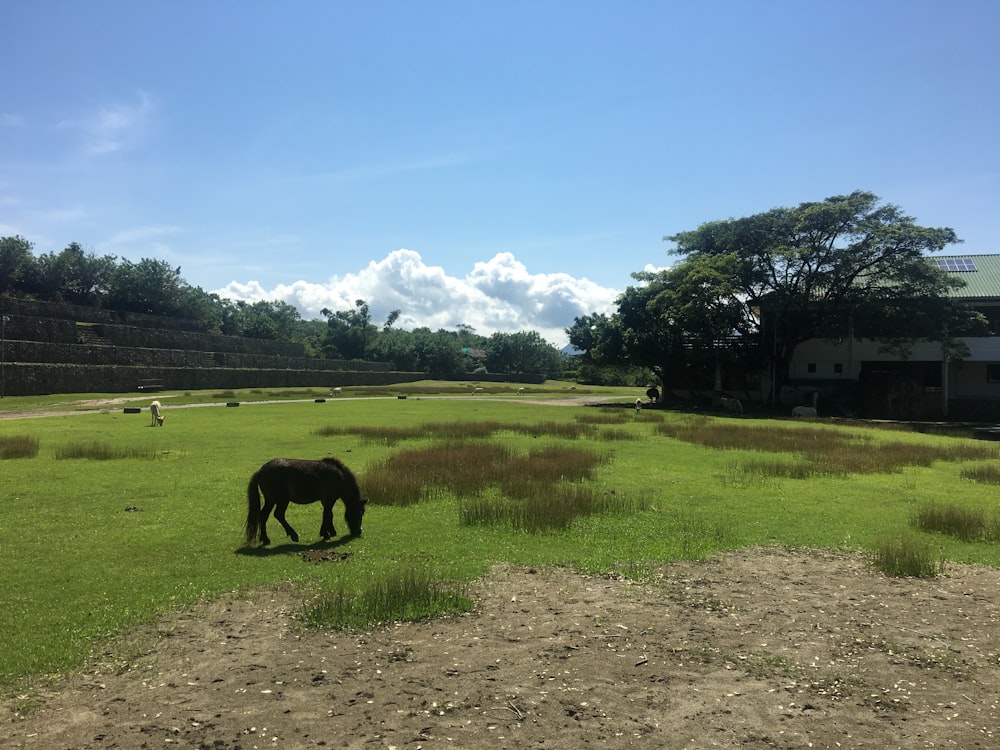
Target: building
853, 376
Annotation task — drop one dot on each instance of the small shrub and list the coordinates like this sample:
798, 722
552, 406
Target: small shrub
408, 595
906, 556
18, 446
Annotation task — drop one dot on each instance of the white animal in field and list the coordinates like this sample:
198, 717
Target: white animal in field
477, 391
804, 411
638, 405
154, 413
732, 404
520, 391
336, 391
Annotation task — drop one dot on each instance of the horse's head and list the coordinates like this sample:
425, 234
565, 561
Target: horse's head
353, 514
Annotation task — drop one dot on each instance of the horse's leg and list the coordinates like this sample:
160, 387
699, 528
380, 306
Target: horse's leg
279, 513
264, 513
326, 530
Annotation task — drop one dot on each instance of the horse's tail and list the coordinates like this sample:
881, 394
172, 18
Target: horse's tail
253, 510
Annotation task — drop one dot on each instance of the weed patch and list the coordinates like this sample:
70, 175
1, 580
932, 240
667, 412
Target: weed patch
18, 446
403, 595
591, 426
967, 524
906, 556
984, 474
538, 491
102, 451
832, 452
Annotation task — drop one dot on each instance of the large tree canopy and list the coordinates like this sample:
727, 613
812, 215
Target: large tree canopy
848, 265
848, 262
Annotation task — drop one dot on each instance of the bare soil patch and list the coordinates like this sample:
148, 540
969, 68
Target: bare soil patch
754, 649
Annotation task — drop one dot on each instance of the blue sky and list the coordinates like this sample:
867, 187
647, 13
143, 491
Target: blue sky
504, 165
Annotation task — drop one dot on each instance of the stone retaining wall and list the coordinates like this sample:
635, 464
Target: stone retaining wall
38, 379
55, 348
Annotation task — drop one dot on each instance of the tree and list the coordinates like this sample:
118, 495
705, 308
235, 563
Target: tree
439, 354
521, 352
149, 286
681, 323
797, 272
271, 320
16, 260
349, 332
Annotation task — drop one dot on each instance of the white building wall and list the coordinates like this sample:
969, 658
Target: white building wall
820, 359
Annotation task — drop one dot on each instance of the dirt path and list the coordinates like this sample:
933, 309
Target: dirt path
755, 649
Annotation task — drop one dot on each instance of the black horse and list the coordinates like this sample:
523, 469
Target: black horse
295, 480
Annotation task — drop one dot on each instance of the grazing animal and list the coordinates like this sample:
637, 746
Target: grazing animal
477, 391
804, 411
154, 413
520, 391
294, 480
653, 394
732, 404
638, 405
336, 391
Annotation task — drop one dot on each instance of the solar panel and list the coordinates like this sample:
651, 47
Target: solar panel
956, 264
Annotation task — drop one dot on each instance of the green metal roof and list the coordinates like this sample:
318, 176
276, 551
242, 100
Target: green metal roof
983, 282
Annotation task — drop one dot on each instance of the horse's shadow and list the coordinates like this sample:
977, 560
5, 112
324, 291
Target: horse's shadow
287, 548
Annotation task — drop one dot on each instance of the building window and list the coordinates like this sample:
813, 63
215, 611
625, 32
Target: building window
838, 368
993, 373
811, 368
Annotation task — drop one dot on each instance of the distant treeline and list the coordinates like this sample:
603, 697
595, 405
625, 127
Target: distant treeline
154, 287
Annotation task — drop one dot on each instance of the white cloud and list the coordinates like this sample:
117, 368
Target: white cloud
499, 295
114, 127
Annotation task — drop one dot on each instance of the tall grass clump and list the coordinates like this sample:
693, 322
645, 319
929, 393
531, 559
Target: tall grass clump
906, 556
469, 468
479, 430
760, 472
372, 435
967, 524
537, 491
98, 451
831, 451
536, 507
984, 474
402, 595
18, 446
421, 473
605, 416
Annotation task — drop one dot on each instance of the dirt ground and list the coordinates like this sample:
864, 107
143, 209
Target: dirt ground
755, 649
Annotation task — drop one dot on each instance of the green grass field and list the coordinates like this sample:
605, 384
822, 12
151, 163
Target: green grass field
91, 546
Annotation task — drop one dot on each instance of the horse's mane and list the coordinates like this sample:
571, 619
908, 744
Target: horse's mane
346, 472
